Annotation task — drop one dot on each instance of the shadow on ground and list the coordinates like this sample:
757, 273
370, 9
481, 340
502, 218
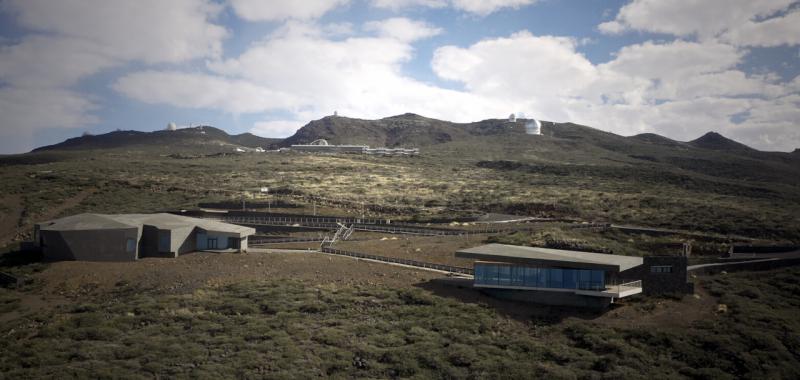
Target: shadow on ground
461, 289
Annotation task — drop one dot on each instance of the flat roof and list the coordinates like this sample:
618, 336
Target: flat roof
550, 257
161, 221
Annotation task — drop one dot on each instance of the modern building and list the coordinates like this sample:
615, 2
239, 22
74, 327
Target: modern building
128, 237
322, 146
571, 278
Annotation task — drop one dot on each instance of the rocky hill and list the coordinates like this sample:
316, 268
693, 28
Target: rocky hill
182, 138
407, 130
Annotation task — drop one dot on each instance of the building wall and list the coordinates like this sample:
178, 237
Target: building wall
222, 239
660, 281
90, 245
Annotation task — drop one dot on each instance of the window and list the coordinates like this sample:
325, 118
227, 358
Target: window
531, 277
505, 275
212, 243
164, 241
661, 269
130, 245
517, 276
556, 278
480, 274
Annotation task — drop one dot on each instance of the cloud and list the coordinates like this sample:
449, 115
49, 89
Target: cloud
192, 90
276, 128
71, 40
151, 31
478, 7
740, 22
299, 70
277, 10
776, 31
402, 29
400, 4
674, 88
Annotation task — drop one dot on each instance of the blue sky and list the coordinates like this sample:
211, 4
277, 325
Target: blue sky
677, 68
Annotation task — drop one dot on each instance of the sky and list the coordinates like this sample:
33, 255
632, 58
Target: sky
678, 68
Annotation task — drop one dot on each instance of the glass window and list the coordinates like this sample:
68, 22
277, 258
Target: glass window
480, 273
517, 276
598, 279
130, 245
531, 276
163, 241
661, 269
543, 277
556, 278
491, 274
505, 275
570, 279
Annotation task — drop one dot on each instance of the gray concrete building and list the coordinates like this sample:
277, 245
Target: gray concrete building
571, 278
128, 237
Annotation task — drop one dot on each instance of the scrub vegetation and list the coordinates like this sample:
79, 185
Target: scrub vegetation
291, 329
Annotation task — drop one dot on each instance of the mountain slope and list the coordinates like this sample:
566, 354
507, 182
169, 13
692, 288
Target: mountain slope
186, 137
409, 130
716, 141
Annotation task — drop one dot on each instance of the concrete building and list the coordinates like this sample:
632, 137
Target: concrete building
571, 278
127, 237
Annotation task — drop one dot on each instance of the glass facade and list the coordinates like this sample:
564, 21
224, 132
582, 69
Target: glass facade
561, 278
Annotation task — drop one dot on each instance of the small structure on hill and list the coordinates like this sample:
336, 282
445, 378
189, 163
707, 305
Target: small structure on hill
322, 146
128, 237
572, 278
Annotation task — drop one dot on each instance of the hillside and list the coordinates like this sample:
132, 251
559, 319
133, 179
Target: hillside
186, 137
407, 130
716, 141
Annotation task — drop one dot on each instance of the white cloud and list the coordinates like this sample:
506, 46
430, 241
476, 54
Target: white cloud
147, 30
478, 7
485, 7
276, 10
27, 110
200, 91
400, 4
676, 88
402, 29
777, 31
675, 60
276, 128
740, 22
358, 76
74, 39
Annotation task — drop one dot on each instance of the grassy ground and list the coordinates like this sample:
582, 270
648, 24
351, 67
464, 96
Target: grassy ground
290, 328
439, 184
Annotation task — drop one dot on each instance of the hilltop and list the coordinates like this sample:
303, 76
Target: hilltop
203, 136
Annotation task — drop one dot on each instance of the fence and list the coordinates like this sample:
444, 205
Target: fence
7, 279
395, 260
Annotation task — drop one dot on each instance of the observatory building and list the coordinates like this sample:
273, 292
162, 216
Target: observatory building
322, 146
128, 237
572, 278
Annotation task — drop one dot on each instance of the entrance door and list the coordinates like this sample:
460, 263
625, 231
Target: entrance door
212, 243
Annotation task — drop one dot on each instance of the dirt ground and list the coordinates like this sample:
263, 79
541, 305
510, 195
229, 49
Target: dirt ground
432, 249
71, 282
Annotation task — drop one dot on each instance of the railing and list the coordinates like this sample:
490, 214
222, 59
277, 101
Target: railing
619, 288
395, 260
